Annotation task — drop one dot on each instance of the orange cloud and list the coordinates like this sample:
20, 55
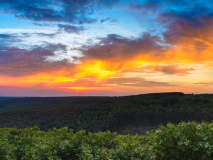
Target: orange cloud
101, 66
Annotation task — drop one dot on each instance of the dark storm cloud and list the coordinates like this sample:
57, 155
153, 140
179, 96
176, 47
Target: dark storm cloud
115, 46
18, 62
182, 25
168, 11
184, 22
190, 28
71, 11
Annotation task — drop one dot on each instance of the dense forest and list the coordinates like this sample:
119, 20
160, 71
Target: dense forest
127, 114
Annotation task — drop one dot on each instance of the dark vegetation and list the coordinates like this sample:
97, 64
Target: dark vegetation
128, 114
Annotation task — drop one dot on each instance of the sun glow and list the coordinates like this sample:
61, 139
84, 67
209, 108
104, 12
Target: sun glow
99, 69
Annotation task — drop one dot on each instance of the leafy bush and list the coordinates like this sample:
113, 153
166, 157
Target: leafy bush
173, 142
184, 141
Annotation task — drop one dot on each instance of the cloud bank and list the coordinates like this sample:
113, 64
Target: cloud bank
177, 42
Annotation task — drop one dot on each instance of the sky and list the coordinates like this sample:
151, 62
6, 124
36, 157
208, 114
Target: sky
105, 47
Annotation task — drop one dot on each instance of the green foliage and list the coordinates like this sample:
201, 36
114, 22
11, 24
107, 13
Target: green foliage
63, 144
183, 141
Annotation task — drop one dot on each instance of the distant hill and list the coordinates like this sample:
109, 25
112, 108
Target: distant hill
125, 114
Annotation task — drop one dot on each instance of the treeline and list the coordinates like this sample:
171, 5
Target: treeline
183, 141
109, 113
115, 115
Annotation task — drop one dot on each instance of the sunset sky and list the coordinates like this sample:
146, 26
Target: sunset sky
105, 47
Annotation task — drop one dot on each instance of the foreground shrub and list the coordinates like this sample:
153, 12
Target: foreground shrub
174, 142
184, 141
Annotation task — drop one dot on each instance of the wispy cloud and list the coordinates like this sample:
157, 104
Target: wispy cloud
170, 69
18, 62
135, 81
70, 28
